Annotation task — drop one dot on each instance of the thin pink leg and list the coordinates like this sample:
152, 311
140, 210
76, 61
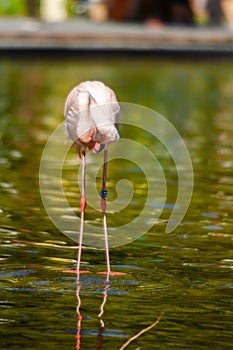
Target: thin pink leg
103, 205
82, 207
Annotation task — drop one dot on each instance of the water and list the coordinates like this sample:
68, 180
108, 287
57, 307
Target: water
185, 276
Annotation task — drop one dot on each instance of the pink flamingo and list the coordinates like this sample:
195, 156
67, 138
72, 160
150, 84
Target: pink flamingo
92, 116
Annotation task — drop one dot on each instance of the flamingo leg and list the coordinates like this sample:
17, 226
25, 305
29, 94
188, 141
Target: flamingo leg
103, 206
82, 207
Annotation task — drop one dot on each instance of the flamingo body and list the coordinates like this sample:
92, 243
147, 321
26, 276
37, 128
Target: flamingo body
92, 116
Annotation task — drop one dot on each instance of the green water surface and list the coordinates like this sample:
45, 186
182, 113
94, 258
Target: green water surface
185, 275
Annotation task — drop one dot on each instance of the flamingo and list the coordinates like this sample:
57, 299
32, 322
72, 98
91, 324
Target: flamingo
92, 116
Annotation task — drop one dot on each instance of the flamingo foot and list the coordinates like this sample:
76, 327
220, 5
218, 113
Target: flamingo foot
112, 273
81, 272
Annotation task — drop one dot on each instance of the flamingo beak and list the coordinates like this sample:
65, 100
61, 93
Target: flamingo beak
98, 147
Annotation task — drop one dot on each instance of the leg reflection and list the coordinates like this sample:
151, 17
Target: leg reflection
79, 318
100, 315
101, 328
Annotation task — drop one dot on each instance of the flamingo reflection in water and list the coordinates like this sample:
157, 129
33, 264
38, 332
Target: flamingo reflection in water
92, 116
100, 318
101, 322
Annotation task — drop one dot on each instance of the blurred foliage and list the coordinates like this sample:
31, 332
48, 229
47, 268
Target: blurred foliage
22, 7
12, 7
